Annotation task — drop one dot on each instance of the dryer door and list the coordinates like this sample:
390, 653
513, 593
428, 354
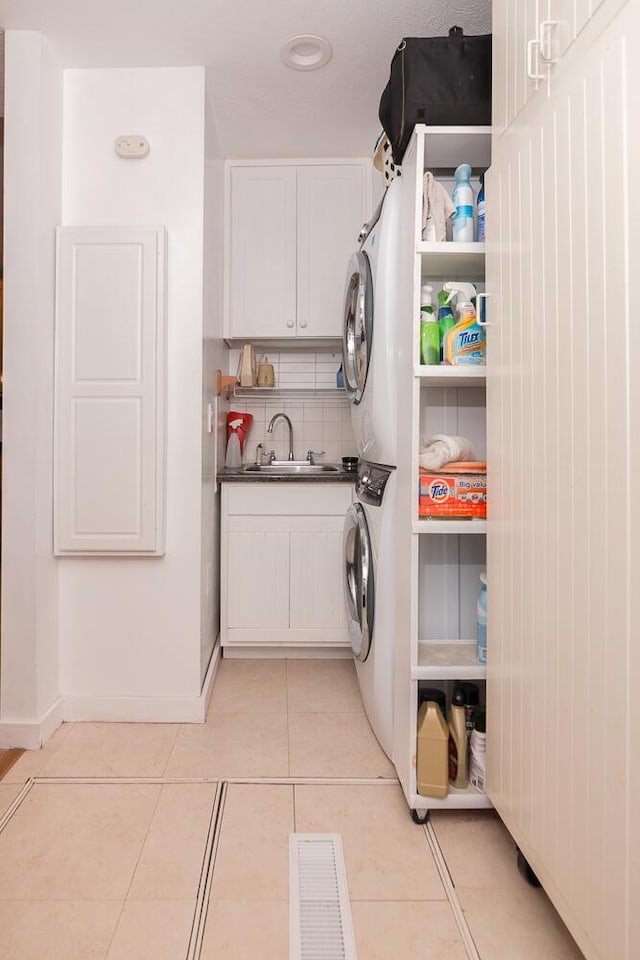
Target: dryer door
358, 581
358, 325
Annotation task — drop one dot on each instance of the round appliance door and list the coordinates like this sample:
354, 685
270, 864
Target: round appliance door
358, 581
358, 325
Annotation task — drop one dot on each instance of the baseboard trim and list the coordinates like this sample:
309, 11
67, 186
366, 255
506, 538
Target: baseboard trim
145, 709
287, 653
31, 734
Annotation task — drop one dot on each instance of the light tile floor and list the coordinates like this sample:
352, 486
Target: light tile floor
111, 870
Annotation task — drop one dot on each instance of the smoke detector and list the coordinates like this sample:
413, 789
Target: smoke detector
305, 52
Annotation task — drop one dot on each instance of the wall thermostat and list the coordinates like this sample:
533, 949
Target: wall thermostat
132, 146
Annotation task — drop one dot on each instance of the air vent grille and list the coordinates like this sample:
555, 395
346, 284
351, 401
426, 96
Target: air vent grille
320, 914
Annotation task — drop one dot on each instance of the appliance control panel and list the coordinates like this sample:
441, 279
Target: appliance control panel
372, 480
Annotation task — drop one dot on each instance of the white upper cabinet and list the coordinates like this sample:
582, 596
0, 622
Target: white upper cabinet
530, 42
290, 232
109, 392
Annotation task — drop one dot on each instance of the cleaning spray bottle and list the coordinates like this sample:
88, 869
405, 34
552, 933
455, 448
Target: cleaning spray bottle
463, 202
429, 329
446, 319
464, 343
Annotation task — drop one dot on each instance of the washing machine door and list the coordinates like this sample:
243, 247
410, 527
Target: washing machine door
358, 581
358, 325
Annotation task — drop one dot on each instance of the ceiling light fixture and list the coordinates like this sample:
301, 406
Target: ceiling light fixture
305, 52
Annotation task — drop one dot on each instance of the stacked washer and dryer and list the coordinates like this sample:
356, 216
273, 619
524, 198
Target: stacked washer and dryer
370, 371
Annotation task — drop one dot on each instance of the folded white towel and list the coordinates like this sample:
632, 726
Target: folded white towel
437, 208
441, 449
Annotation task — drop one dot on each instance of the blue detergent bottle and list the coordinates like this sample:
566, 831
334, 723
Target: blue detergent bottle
463, 202
481, 643
481, 210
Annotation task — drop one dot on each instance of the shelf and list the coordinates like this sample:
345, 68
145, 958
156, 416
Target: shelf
448, 660
450, 526
446, 147
289, 393
468, 799
464, 260
449, 376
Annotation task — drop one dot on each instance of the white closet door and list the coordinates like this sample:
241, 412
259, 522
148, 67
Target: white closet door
563, 440
109, 394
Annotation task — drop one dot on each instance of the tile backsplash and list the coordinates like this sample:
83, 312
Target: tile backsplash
294, 369
318, 424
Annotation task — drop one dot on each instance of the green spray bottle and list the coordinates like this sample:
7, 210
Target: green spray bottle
429, 329
446, 317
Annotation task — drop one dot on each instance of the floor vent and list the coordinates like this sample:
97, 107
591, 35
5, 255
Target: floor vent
319, 911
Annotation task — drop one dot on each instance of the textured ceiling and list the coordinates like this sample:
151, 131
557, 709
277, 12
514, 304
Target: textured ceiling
261, 108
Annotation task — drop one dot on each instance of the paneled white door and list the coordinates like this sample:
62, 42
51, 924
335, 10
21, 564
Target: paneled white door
110, 391
316, 576
563, 409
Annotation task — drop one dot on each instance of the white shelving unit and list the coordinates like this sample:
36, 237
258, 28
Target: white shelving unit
438, 559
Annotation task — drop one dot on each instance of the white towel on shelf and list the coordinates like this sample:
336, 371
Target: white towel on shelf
437, 208
441, 449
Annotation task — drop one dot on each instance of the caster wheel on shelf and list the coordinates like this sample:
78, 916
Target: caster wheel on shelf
420, 816
526, 871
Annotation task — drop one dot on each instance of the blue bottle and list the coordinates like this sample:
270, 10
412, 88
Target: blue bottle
463, 202
481, 643
481, 208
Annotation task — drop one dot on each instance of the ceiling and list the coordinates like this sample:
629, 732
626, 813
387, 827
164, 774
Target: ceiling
261, 108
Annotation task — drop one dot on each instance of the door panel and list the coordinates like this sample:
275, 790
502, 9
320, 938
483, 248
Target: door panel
109, 448
257, 580
262, 292
331, 210
561, 385
316, 578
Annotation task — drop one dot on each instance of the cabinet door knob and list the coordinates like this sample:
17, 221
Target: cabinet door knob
303, 323
289, 323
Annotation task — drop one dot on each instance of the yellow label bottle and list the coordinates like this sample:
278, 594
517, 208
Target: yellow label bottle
458, 761
432, 754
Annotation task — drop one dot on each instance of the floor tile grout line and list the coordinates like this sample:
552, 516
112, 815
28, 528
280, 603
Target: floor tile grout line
196, 939
16, 803
286, 703
456, 907
173, 746
115, 781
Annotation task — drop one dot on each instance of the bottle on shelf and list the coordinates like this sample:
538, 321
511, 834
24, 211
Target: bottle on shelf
465, 342
481, 623
446, 318
458, 761
463, 202
478, 753
481, 211
432, 751
429, 328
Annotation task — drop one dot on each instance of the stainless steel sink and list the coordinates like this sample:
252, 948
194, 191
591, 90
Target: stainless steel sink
286, 468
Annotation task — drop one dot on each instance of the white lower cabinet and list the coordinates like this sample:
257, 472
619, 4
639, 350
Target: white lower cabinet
282, 564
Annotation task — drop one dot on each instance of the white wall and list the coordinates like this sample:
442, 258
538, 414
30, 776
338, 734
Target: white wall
214, 357
33, 143
131, 628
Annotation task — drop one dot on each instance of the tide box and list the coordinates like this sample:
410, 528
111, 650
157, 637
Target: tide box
458, 490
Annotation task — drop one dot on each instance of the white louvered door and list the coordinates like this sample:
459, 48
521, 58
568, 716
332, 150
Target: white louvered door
563, 402
109, 396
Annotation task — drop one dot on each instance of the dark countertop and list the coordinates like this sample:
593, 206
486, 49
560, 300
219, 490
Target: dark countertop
239, 476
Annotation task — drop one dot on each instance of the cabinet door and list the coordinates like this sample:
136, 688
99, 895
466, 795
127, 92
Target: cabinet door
331, 211
316, 576
257, 580
514, 25
262, 252
109, 393
564, 437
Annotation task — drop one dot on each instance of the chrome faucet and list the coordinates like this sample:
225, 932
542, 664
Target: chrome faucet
270, 430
